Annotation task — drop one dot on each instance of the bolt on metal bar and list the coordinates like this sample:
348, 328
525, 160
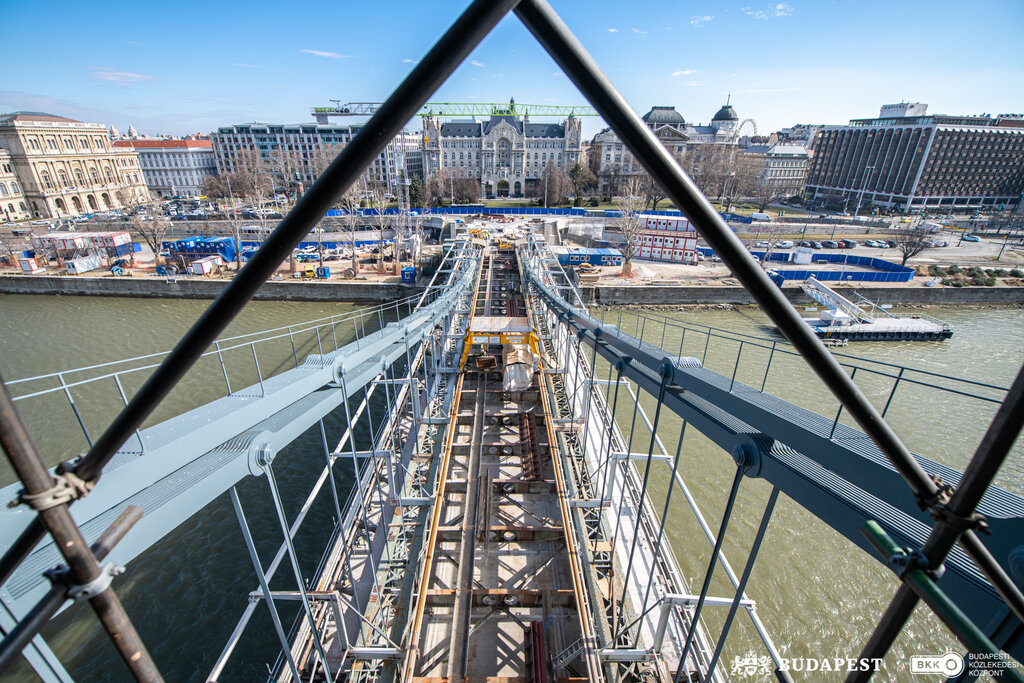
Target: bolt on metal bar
29, 626
82, 565
978, 475
695, 619
769, 508
407, 99
556, 38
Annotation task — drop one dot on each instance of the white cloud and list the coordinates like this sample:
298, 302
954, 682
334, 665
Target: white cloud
697, 21
410, 61
780, 9
325, 53
111, 75
642, 34
685, 72
613, 30
476, 63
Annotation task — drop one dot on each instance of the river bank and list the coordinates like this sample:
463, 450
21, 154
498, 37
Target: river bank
376, 291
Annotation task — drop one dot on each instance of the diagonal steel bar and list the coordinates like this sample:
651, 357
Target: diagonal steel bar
988, 458
26, 629
403, 104
580, 67
83, 569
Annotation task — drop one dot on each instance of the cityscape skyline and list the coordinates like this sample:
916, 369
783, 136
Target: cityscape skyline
768, 56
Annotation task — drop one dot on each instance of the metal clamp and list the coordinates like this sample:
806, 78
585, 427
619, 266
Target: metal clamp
84, 591
937, 505
909, 560
67, 487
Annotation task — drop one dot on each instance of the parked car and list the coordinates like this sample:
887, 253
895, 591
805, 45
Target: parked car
764, 244
848, 244
891, 243
829, 244
785, 244
803, 243
815, 244
971, 238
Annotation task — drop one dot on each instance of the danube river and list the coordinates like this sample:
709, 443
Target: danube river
817, 593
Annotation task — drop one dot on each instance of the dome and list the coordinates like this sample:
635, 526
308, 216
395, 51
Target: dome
664, 116
726, 113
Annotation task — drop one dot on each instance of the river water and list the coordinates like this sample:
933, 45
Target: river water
817, 593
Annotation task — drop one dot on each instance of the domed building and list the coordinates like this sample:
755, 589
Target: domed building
611, 161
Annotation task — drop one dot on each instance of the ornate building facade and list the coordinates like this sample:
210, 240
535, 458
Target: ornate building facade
506, 153
611, 161
12, 199
66, 167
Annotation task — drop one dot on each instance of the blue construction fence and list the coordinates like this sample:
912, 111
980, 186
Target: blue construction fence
527, 211
885, 271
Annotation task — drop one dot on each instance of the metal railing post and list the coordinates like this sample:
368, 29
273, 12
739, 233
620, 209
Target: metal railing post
71, 400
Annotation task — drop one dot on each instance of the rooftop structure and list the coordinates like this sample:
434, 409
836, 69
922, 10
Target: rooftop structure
908, 161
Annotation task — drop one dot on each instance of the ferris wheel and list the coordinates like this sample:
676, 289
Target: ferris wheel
753, 127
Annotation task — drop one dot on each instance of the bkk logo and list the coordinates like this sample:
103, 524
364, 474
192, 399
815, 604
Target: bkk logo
949, 664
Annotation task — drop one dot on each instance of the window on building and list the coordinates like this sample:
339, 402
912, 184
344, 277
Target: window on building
46, 180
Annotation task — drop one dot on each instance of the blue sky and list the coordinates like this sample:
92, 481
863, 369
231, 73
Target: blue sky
193, 66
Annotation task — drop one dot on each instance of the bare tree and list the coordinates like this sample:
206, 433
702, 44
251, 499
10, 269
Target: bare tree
631, 204
253, 180
583, 180
554, 185
151, 229
911, 241
376, 199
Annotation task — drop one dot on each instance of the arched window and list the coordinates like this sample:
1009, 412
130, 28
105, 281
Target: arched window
110, 176
63, 178
84, 142
46, 180
80, 177
51, 143
69, 143
14, 187
3, 190
10, 207
95, 175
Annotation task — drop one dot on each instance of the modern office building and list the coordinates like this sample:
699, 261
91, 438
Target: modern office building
306, 149
908, 161
610, 160
173, 168
65, 167
506, 153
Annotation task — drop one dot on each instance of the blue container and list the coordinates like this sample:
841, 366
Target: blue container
323, 272
409, 274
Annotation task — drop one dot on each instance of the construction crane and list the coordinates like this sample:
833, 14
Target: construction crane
510, 108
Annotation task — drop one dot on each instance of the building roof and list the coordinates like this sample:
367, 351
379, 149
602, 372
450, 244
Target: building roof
544, 130
461, 130
726, 113
666, 116
513, 121
162, 144
34, 116
778, 150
